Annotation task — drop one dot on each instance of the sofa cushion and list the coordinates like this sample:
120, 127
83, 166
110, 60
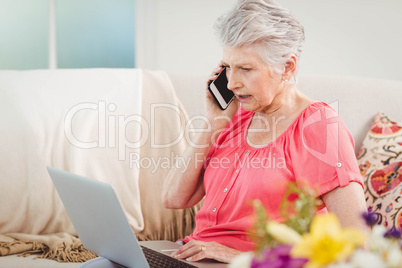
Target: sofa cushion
63, 118
380, 162
167, 120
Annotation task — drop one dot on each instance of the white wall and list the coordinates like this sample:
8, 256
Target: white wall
343, 37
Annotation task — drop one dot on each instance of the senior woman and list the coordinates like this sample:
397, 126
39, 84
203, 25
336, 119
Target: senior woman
276, 135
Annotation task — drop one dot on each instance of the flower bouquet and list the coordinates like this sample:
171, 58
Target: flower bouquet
307, 240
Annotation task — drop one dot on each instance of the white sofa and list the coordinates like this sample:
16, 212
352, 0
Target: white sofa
357, 100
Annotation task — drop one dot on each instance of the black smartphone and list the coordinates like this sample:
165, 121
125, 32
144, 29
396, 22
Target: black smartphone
219, 89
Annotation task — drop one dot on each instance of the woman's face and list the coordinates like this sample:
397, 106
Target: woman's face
254, 83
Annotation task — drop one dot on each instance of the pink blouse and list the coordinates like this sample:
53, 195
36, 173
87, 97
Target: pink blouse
316, 148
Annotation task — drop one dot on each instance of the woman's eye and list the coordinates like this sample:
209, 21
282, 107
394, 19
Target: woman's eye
246, 69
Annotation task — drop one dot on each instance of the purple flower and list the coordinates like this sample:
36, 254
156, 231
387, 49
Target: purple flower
371, 218
393, 233
278, 257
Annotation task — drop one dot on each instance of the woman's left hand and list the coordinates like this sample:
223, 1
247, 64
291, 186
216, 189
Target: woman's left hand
197, 250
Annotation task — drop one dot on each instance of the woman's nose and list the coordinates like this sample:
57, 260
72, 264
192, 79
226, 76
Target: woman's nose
233, 81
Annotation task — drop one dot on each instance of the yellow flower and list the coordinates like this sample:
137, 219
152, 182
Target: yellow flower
327, 242
283, 233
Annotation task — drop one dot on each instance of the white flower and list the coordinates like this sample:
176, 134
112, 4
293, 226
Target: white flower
394, 255
387, 249
341, 265
242, 260
366, 259
376, 240
283, 233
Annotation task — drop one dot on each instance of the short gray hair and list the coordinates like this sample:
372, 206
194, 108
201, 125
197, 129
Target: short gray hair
265, 23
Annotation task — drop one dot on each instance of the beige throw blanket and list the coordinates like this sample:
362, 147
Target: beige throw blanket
32, 218
61, 247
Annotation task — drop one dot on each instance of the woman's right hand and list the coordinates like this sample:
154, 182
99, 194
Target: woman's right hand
217, 117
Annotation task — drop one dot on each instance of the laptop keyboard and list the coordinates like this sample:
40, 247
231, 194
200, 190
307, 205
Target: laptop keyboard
159, 260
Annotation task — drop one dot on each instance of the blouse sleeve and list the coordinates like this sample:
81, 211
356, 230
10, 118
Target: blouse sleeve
323, 151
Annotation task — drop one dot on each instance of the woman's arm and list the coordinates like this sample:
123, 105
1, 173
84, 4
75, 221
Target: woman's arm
184, 186
348, 204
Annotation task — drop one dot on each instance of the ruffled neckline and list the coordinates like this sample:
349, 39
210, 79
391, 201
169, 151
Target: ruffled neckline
287, 130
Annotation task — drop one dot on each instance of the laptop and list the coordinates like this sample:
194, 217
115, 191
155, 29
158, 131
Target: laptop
103, 228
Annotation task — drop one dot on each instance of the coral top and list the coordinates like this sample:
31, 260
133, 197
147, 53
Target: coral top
317, 147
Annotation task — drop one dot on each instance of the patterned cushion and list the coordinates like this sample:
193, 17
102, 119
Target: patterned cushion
380, 161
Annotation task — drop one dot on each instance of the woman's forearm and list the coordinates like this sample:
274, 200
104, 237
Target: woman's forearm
183, 187
348, 204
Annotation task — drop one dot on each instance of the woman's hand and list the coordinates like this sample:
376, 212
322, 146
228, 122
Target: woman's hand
217, 117
197, 250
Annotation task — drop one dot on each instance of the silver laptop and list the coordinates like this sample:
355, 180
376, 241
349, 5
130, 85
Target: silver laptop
103, 228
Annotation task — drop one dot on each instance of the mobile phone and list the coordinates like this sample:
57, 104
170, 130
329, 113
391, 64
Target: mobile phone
219, 89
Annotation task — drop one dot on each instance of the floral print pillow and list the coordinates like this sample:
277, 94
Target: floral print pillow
380, 162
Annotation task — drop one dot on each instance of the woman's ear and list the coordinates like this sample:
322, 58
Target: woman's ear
290, 67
